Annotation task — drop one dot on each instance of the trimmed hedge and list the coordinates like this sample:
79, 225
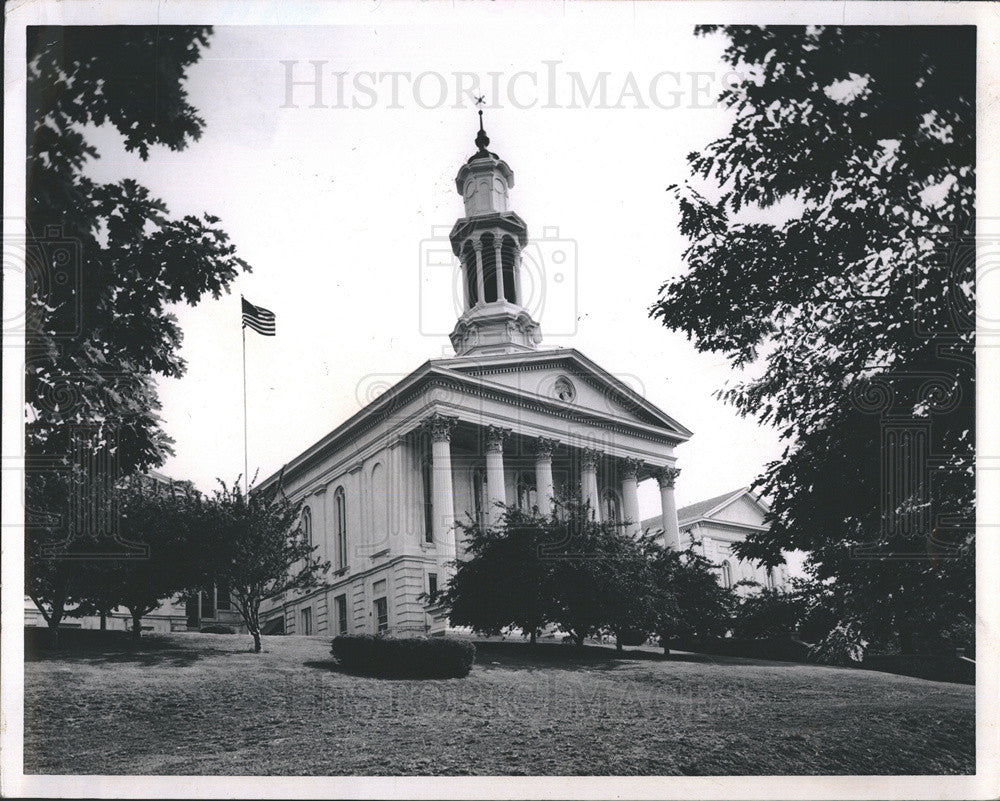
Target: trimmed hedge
218, 628
412, 657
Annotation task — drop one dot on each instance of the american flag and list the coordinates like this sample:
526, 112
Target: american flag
258, 318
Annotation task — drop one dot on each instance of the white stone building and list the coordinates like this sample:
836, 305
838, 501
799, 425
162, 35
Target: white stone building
715, 524
503, 420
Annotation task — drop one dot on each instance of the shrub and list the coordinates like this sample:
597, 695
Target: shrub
767, 614
218, 628
842, 646
413, 657
633, 636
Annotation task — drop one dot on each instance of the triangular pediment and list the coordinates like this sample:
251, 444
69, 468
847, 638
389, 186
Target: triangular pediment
742, 510
564, 377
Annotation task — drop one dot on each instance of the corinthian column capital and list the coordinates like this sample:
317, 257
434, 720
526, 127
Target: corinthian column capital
630, 468
666, 476
440, 427
495, 435
589, 458
544, 448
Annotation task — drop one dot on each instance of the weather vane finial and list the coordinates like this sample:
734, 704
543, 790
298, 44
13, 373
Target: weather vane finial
482, 140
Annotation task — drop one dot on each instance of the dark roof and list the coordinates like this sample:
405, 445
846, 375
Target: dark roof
695, 510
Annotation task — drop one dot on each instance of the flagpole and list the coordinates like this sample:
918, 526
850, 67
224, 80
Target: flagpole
246, 461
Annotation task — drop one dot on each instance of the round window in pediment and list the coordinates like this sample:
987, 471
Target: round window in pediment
564, 389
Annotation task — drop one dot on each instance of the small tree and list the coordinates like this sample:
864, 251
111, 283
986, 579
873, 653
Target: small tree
689, 600
768, 613
167, 522
504, 581
257, 548
599, 576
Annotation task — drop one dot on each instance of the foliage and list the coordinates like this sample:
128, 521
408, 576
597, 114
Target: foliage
831, 247
768, 613
844, 645
415, 657
93, 350
218, 628
105, 261
582, 575
690, 601
600, 574
166, 524
255, 546
503, 582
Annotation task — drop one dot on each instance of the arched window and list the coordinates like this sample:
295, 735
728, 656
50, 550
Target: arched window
479, 496
307, 525
527, 496
612, 509
340, 522
727, 575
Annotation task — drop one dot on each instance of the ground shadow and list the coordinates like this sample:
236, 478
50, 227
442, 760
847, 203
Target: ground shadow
114, 647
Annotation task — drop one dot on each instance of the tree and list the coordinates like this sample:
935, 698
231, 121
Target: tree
767, 613
256, 547
689, 600
563, 568
167, 523
599, 577
830, 238
105, 261
503, 581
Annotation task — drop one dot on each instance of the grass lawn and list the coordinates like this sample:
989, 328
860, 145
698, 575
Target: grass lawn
202, 704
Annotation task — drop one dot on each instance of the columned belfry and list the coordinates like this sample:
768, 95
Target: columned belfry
488, 242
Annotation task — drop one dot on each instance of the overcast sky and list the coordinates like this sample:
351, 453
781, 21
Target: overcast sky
340, 210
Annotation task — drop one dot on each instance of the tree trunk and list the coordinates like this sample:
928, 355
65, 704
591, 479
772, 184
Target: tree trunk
618, 642
104, 621
534, 632
256, 641
136, 626
54, 620
579, 640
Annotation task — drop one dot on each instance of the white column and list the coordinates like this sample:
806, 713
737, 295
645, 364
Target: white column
630, 494
498, 251
496, 492
588, 481
544, 487
442, 496
666, 476
517, 276
480, 281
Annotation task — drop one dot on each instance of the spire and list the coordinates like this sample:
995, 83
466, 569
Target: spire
482, 140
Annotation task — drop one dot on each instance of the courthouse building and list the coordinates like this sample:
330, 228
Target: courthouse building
503, 420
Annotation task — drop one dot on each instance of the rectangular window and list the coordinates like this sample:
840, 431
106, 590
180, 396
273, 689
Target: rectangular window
432, 583
222, 602
208, 603
381, 615
307, 621
340, 602
191, 608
